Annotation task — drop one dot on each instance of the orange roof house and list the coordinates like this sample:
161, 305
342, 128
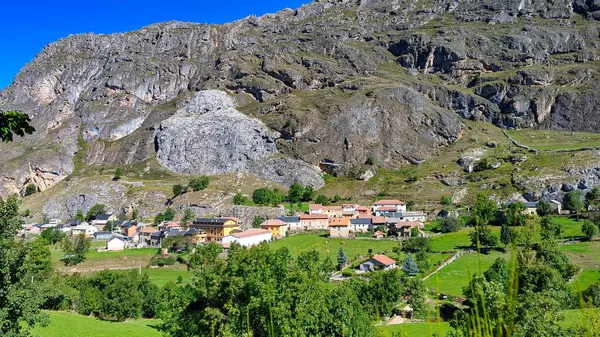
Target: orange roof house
389, 203
339, 222
275, 226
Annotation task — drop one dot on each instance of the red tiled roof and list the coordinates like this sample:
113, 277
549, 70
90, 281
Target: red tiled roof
379, 219
411, 224
362, 208
272, 223
384, 260
315, 206
313, 217
332, 208
339, 222
350, 205
387, 208
365, 216
250, 232
389, 202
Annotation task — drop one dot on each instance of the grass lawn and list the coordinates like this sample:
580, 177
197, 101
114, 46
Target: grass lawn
577, 317
587, 256
416, 329
68, 324
352, 247
161, 276
555, 140
456, 275
585, 279
571, 227
455, 241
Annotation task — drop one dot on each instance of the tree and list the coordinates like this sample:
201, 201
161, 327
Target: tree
550, 229
450, 224
484, 211
341, 259
52, 235
309, 194
199, 184
262, 196
79, 216
118, 174
409, 266
178, 190
30, 189
75, 249
417, 244
513, 214
446, 200
321, 199
337, 198
416, 294
109, 226
482, 236
20, 263
240, 199
295, 193
505, 235
543, 208
573, 202
187, 218
95, 211
257, 221
14, 122
593, 195
589, 229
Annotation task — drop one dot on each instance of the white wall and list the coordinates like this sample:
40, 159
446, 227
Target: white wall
248, 240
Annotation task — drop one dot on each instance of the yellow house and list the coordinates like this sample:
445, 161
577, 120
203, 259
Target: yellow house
216, 228
277, 227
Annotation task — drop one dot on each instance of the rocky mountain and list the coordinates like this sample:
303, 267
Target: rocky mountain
326, 87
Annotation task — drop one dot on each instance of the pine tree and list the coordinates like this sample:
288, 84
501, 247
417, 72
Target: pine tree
410, 266
505, 235
342, 259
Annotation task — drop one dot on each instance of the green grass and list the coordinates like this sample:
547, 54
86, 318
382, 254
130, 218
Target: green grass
68, 324
571, 227
586, 278
306, 242
576, 317
416, 329
161, 276
456, 275
555, 140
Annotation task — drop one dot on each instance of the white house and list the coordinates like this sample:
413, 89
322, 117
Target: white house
389, 205
414, 216
115, 244
248, 238
349, 207
85, 229
315, 209
360, 225
378, 262
556, 206
101, 220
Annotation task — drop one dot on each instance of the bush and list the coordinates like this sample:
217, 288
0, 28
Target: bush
446, 200
163, 260
240, 199
199, 184
118, 174
589, 229
450, 224
321, 199
178, 190
371, 161
348, 272
30, 189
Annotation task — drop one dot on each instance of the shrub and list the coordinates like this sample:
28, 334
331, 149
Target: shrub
163, 260
348, 272
446, 200
118, 174
199, 184
178, 190
30, 189
450, 224
589, 229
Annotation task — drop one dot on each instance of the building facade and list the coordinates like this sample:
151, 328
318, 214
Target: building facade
216, 228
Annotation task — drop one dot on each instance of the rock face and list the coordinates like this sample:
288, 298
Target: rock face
329, 84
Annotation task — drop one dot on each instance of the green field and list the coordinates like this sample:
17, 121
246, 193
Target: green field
587, 256
352, 247
416, 329
571, 227
451, 279
68, 324
555, 140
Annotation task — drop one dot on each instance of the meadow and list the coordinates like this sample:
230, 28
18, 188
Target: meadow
70, 324
329, 247
555, 140
451, 279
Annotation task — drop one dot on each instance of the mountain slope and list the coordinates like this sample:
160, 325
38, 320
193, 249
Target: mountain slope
330, 84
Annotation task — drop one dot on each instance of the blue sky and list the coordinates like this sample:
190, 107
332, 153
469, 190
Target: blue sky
29, 25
